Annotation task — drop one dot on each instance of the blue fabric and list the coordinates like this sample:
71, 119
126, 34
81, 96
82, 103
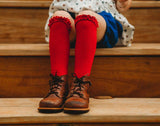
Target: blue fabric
113, 31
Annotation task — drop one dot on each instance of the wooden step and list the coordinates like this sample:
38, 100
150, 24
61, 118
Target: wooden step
43, 50
19, 26
117, 72
102, 111
46, 3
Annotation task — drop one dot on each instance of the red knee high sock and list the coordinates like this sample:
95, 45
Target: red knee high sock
86, 41
59, 44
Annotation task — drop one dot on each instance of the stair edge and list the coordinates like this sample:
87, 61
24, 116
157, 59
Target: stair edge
140, 49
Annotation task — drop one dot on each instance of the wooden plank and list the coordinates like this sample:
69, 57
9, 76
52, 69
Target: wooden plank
145, 31
43, 50
29, 125
101, 111
19, 26
46, 3
110, 76
22, 25
145, 4
28, 0
97, 124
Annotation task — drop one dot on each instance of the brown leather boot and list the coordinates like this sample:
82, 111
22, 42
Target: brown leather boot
78, 97
55, 99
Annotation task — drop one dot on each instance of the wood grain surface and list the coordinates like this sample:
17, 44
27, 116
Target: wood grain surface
117, 110
140, 49
147, 24
110, 76
46, 3
22, 25
26, 25
87, 124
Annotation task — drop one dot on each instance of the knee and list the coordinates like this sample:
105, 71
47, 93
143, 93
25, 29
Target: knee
86, 12
88, 16
62, 13
61, 16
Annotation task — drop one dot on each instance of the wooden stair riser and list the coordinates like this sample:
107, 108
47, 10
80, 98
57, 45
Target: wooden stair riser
113, 76
98, 124
26, 25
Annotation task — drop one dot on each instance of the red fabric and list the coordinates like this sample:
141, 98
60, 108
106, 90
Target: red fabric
86, 41
59, 44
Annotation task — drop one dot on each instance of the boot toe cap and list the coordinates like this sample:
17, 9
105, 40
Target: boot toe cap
53, 103
76, 103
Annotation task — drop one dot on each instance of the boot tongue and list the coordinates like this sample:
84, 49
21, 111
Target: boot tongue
52, 96
77, 90
79, 85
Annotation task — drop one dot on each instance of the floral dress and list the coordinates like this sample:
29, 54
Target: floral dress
75, 6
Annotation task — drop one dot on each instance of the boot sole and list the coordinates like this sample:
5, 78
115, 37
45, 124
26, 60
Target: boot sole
49, 110
75, 110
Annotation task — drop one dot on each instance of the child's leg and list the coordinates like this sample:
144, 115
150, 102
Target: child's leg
61, 28
87, 35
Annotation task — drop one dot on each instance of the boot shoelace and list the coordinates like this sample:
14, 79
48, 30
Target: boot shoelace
79, 85
54, 84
